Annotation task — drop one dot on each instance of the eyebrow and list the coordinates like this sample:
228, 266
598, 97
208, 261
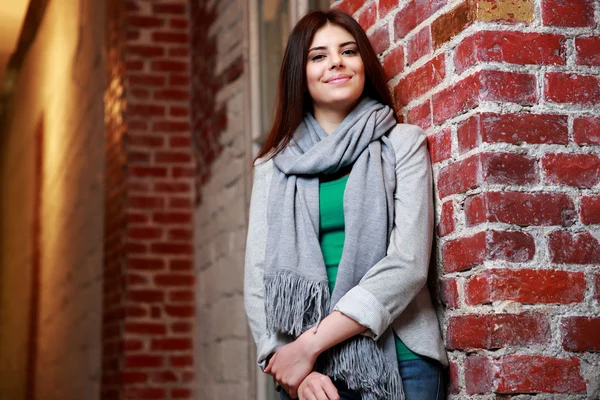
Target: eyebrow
325, 48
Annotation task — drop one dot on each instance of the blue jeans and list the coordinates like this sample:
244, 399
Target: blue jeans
421, 379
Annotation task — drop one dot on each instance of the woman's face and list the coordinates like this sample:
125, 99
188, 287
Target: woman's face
335, 71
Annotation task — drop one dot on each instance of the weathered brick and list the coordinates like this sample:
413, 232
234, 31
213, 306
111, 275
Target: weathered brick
174, 280
510, 47
523, 374
572, 13
449, 292
421, 80
453, 22
580, 333
572, 88
493, 331
380, 39
368, 16
393, 62
588, 50
580, 170
171, 343
520, 128
590, 209
525, 286
447, 220
421, 115
460, 176
541, 209
440, 145
573, 248
419, 45
586, 130
506, 11
145, 328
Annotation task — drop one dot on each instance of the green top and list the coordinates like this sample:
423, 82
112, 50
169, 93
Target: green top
332, 235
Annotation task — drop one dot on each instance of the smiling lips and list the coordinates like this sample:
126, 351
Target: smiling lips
338, 78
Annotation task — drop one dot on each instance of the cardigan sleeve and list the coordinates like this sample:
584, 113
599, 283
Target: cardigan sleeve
391, 284
256, 243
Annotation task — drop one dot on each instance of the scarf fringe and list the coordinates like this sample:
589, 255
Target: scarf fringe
361, 364
293, 303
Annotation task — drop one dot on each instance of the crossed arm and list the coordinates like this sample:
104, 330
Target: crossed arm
292, 364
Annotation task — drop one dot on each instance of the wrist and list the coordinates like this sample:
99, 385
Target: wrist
311, 343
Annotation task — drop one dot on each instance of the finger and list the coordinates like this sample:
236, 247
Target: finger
330, 390
270, 365
320, 393
307, 394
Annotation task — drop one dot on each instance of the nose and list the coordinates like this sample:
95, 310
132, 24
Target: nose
336, 61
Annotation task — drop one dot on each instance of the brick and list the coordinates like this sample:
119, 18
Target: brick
393, 62
484, 85
137, 126
586, 130
506, 11
174, 280
447, 220
405, 21
143, 172
421, 80
573, 248
136, 279
180, 311
180, 234
368, 16
146, 202
588, 50
138, 21
139, 94
523, 374
525, 286
146, 296
454, 384
468, 134
145, 328
571, 13
145, 264
145, 50
145, 110
145, 393
465, 252
178, 23
171, 344
179, 52
421, 115
144, 233
179, 296
508, 169
539, 209
181, 265
181, 393
134, 65
449, 292
183, 327
380, 39
385, 6
440, 145
580, 333
143, 361
136, 312
168, 8
179, 80
171, 127
138, 157
180, 203
579, 170
170, 37
453, 22
163, 377
523, 128
169, 66
181, 361
597, 287
172, 187
179, 111
350, 6
172, 157
175, 142
171, 248
572, 88
494, 331
590, 209
510, 47
419, 45
171, 94
459, 176
133, 377
172, 217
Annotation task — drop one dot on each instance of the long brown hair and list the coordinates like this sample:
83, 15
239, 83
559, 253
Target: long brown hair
293, 100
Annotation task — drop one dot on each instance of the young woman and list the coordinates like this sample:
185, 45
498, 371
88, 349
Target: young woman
340, 230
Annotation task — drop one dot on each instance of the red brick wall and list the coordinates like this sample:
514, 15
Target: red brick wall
508, 95
149, 283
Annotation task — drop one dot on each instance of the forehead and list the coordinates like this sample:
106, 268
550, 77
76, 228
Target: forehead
331, 35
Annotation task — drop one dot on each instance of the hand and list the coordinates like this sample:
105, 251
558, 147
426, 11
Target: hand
292, 363
317, 386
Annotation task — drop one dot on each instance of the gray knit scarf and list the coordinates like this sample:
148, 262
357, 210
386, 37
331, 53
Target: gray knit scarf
296, 291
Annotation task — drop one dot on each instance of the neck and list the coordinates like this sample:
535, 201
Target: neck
330, 118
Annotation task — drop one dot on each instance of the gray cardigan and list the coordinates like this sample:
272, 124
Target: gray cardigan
393, 292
